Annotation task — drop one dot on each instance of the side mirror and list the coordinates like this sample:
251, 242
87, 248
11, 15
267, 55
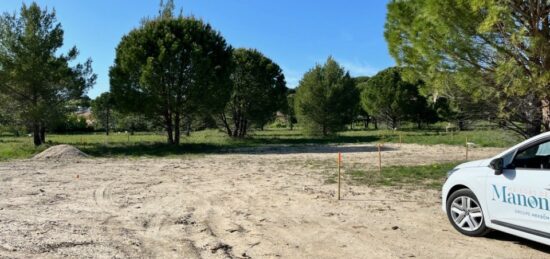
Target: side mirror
498, 165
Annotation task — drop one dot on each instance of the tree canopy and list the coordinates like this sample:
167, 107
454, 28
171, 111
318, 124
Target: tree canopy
325, 99
35, 81
388, 97
493, 51
103, 109
170, 68
259, 89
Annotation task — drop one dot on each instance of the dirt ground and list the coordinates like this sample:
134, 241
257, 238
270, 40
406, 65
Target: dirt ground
254, 203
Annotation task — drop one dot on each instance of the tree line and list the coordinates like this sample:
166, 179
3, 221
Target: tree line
177, 70
328, 99
178, 74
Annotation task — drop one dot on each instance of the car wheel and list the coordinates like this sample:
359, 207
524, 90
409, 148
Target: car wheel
465, 213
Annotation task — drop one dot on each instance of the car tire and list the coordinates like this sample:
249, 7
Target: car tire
465, 213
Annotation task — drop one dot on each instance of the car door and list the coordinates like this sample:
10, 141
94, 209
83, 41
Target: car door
519, 197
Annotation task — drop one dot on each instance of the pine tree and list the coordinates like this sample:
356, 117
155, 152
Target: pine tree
37, 82
325, 99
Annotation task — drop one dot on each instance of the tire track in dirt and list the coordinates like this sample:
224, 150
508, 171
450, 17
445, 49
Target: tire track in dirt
209, 225
152, 242
164, 243
103, 197
232, 219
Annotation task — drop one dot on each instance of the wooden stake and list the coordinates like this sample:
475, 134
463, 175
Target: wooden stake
379, 159
339, 173
400, 139
466, 148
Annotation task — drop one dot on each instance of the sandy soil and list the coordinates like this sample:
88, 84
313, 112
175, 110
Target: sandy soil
265, 203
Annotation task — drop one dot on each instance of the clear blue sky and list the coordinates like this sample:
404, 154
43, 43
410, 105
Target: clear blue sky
296, 34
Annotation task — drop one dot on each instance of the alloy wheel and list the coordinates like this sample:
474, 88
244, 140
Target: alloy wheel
466, 213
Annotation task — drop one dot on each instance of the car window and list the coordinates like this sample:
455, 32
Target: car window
543, 149
535, 157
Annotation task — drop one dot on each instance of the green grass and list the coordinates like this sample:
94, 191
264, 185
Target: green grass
13, 148
423, 176
215, 141
481, 138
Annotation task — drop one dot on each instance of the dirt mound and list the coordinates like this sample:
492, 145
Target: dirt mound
61, 152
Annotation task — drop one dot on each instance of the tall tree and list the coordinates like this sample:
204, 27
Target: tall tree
171, 67
359, 113
494, 51
290, 112
103, 110
258, 92
325, 99
388, 97
37, 81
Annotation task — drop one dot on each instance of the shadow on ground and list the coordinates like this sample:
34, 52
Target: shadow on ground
497, 235
248, 146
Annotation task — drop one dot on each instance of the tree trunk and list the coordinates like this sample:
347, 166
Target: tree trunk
43, 133
537, 120
461, 124
169, 128
226, 124
393, 123
177, 128
375, 121
245, 128
237, 123
36, 134
242, 127
187, 126
533, 128
325, 130
107, 124
545, 103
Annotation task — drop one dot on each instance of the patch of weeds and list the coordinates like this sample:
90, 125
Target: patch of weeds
425, 176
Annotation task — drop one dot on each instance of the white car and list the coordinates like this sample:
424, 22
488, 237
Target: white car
509, 192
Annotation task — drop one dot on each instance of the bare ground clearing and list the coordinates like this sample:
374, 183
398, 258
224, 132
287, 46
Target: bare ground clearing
260, 203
